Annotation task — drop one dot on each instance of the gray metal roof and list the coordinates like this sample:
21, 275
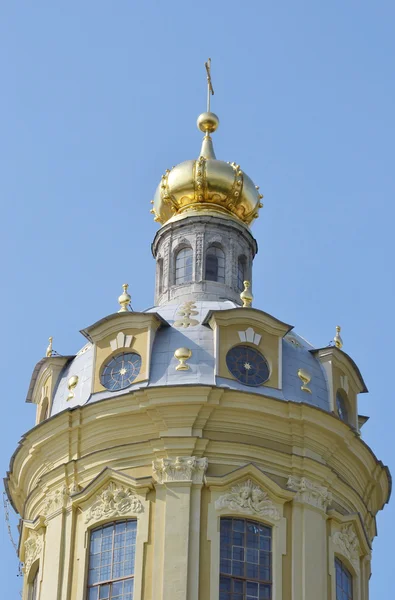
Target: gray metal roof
200, 339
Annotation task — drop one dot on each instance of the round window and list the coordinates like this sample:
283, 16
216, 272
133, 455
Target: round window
121, 371
248, 365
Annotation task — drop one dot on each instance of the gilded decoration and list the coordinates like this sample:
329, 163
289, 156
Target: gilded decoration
33, 546
114, 501
55, 500
182, 355
181, 468
206, 184
305, 378
347, 542
249, 498
187, 312
308, 492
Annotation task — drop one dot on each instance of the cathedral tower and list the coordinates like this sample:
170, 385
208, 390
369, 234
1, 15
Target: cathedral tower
201, 449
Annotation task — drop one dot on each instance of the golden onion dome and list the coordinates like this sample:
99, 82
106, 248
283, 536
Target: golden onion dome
206, 185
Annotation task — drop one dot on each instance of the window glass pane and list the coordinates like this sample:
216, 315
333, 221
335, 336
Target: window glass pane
184, 266
245, 564
341, 406
343, 581
111, 561
241, 273
215, 265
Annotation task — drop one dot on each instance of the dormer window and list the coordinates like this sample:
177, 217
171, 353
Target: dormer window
341, 407
215, 264
183, 266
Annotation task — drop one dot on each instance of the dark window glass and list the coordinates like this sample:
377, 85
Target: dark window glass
241, 273
215, 265
111, 561
121, 370
247, 365
341, 407
184, 266
343, 582
160, 275
245, 560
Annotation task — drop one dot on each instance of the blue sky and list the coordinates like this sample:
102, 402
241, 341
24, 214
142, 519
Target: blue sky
99, 98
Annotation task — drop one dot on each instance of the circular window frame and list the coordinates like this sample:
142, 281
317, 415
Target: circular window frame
249, 347
108, 361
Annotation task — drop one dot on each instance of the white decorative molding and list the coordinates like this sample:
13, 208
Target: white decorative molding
114, 501
55, 500
344, 383
121, 341
249, 335
347, 542
249, 498
181, 468
33, 546
309, 492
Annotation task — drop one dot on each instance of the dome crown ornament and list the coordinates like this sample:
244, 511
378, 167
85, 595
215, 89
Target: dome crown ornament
206, 185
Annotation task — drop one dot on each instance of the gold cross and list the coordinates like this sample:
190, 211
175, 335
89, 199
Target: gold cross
210, 89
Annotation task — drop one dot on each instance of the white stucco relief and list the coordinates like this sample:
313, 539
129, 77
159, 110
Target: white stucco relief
346, 540
181, 468
55, 500
33, 546
249, 498
309, 492
114, 501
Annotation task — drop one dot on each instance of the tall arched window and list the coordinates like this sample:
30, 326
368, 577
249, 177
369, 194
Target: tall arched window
33, 588
111, 561
343, 581
215, 264
241, 272
184, 266
341, 406
159, 271
245, 560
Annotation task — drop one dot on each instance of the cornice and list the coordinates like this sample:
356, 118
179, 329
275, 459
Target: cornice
132, 429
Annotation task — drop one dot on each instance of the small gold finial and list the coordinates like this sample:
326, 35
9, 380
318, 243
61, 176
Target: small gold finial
182, 355
246, 295
337, 339
71, 384
124, 299
49, 348
305, 378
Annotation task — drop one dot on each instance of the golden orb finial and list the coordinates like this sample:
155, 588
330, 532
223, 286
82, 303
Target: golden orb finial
48, 352
208, 122
124, 299
246, 295
337, 339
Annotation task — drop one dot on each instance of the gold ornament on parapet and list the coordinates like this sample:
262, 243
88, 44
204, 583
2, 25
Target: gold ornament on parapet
337, 339
187, 310
124, 299
246, 295
182, 355
305, 378
49, 350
